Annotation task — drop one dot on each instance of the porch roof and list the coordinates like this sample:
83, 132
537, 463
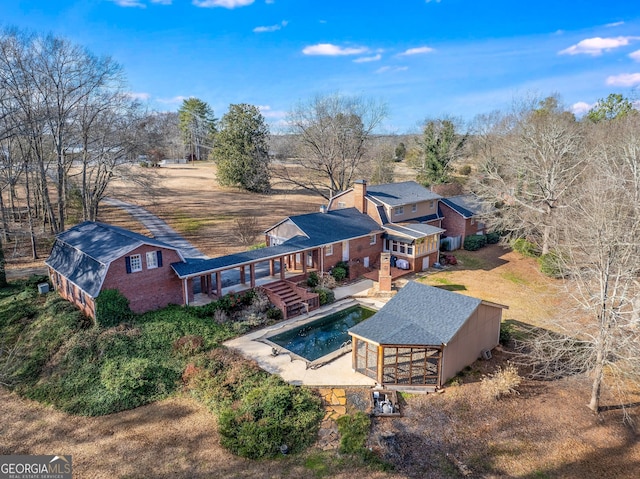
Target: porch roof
412, 231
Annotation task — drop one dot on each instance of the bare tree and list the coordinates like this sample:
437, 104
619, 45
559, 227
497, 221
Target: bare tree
600, 257
331, 134
246, 229
530, 162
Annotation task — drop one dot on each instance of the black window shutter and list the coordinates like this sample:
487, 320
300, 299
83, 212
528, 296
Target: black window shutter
159, 259
127, 260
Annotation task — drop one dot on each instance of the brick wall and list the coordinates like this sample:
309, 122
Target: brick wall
359, 249
72, 293
454, 223
148, 289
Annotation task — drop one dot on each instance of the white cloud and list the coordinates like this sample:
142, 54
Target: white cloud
327, 49
581, 108
624, 79
269, 2
129, 3
417, 51
138, 95
175, 99
635, 55
614, 24
222, 3
374, 58
271, 28
267, 112
429, 1
595, 46
388, 69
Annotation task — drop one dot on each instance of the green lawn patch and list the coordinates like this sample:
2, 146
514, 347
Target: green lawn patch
513, 278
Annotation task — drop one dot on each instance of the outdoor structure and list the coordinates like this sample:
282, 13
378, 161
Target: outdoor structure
424, 336
91, 257
461, 218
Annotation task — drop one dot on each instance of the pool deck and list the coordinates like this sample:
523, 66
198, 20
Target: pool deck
293, 369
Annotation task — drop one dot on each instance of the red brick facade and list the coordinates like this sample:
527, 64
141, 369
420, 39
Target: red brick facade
148, 289
457, 225
72, 293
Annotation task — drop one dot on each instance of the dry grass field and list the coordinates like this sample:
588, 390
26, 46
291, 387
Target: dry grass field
546, 431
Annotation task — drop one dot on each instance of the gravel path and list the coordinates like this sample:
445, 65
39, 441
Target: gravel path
158, 228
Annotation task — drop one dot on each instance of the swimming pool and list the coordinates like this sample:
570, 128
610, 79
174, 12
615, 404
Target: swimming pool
323, 336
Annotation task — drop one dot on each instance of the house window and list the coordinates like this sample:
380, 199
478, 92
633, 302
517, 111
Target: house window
372, 239
328, 250
431, 204
69, 290
473, 222
82, 299
152, 259
414, 208
398, 210
134, 263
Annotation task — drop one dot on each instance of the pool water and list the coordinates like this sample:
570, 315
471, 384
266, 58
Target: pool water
322, 336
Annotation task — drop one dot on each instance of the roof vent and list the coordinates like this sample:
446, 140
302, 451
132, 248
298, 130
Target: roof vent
323, 208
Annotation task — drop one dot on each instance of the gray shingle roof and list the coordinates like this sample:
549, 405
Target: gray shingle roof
466, 205
82, 253
404, 193
418, 315
413, 230
320, 228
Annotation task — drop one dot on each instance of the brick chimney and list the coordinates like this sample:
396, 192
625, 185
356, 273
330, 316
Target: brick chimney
359, 193
384, 275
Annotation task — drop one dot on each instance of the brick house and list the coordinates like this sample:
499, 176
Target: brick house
91, 257
462, 218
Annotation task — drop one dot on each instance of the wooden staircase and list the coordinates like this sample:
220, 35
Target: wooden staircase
291, 299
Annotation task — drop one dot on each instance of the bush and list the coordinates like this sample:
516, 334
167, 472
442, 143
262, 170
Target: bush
551, 265
525, 248
465, 170
493, 238
344, 265
474, 242
274, 314
269, 416
188, 345
339, 273
506, 333
325, 296
112, 308
313, 280
354, 431
501, 383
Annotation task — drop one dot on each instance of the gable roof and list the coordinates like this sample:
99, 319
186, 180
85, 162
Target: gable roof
465, 205
404, 193
418, 315
83, 253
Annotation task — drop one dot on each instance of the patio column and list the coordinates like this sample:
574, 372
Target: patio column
209, 281
252, 274
242, 275
303, 257
380, 363
354, 353
218, 284
203, 284
282, 276
272, 267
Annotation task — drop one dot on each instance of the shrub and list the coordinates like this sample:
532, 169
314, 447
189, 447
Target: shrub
506, 333
344, 265
269, 416
274, 314
339, 273
501, 383
474, 242
188, 345
493, 238
325, 296
313, 280
327, 281
551, 265
112, 308
354, 431
525, 248
465, 170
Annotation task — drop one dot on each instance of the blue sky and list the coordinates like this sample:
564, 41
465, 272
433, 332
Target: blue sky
423, 58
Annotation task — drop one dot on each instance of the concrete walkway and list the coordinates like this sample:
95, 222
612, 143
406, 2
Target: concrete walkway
158, 228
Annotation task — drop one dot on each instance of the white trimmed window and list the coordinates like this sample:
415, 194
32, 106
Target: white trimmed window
152, 259
372, 239
414, 207
398, 210
431, 204
135, 260
328, 250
